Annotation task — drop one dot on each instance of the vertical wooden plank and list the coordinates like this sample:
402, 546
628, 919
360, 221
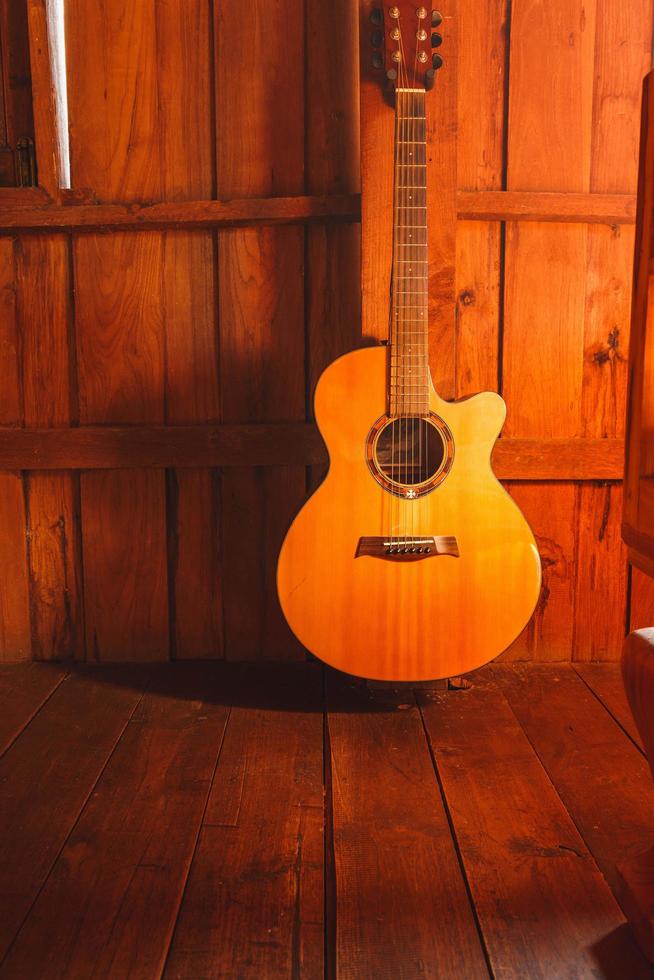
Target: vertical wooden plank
543, 329
377, 125
11, 401
549, 633
549, 148
15, 631
125, 589
442, 121
261, 306
601, 575
43, 291
116, 150
622, 56
332, 166
480, 164
184, 80
120, 356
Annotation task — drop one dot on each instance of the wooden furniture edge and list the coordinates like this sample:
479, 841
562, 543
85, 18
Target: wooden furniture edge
635, 874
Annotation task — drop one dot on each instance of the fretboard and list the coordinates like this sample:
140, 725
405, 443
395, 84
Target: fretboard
409, 375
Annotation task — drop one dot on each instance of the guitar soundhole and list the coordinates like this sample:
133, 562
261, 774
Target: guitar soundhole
410, 455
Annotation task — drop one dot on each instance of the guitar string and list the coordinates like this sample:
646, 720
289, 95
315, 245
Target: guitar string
404, 419
400, 211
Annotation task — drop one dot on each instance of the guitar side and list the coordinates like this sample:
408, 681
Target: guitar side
406, 620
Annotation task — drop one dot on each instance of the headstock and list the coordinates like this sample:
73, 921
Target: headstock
405, 37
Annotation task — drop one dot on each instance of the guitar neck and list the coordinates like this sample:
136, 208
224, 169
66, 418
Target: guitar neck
409, 375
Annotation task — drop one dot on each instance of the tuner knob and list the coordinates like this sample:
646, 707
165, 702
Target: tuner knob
437, 61
436, 18
377, 60
436, 40
376, 39
376, 17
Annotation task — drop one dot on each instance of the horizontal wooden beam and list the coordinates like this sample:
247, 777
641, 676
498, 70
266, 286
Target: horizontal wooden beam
613, 209
180, 214
559, 459
272, 444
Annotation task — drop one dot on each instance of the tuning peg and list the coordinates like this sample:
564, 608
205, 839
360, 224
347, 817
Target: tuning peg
376, 39
436, 40
436, 18
376, 17
377, 60
437, 61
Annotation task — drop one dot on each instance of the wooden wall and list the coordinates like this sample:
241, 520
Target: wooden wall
534, 130
158, 350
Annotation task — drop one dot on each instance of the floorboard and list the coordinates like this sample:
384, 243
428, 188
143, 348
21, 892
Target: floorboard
605, 681
602, 778
544, 908
402, 906
46, 777
110, 904
24, 688
254, 903
233, 822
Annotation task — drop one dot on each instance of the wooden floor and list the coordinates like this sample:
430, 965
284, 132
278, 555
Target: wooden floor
206, 820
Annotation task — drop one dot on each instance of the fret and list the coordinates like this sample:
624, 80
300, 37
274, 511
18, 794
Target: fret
409, 381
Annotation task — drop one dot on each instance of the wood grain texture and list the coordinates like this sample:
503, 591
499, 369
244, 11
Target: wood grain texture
273, 444
24, 689
481, 63
254, 902
15, 626
11, 401
401, 904
39, 215
51, 138
601, 575
600, 775
605, 681
635, 872
543, 205
50, 400
641, 607
383, 619
531, 875
112, 897
116, 149
549, 634
124, 566
377, 122
54, 766
190, 304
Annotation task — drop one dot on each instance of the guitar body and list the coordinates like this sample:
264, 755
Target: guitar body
404, 612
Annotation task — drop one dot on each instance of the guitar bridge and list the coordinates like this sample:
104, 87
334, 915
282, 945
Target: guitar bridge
407, 548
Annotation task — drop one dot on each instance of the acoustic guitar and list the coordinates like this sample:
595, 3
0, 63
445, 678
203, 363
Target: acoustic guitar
410, 561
